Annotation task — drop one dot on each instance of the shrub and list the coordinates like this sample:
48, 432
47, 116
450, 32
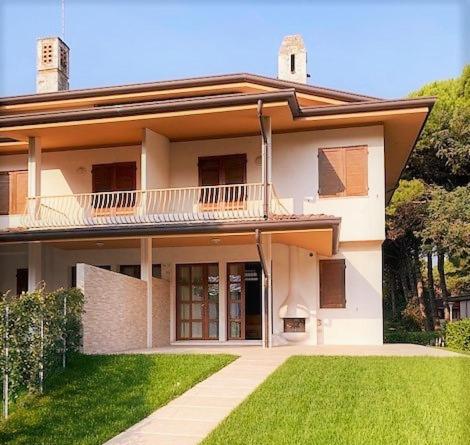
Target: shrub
458, 335
418, 338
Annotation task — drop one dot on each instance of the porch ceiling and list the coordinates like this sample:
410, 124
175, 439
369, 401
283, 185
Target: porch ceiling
315, 240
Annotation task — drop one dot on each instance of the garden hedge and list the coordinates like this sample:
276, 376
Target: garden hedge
417, 338
458, 335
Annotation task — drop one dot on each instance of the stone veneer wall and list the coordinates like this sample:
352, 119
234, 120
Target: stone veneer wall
115, 311
161, 312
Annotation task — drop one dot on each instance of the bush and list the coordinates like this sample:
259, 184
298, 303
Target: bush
417, 338
458, 335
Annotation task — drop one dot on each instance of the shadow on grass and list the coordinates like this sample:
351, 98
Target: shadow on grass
97, 397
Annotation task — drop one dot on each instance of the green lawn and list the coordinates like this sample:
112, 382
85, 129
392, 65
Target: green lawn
97, 397
356, 400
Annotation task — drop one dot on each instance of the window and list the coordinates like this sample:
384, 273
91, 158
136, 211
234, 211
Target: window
332, 284
134, 270
342, 171
13, 192
118, 177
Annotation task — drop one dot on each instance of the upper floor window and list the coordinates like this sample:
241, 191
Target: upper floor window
342, 171
13, 192
222, 170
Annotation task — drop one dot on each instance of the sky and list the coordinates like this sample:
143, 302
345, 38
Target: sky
380, 48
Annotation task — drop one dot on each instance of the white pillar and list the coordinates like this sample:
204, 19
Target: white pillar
34, 265
266, 163
34, 167
146, 275
267, 299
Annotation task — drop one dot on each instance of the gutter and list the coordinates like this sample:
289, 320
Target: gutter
94, 232
174, 105
266, 280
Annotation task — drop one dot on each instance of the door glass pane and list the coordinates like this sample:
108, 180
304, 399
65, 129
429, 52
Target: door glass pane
197, 329
184, 311
235, 291
214, 329
197, 311
182, 275
198, 292
184, 329
213, 311
213, 273
196, 274
183, 293
234, 273
213, 290
235, 331
235, 310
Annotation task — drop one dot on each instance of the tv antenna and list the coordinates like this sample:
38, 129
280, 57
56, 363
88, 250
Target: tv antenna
63, 18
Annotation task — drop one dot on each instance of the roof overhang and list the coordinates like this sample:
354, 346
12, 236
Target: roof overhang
319, 234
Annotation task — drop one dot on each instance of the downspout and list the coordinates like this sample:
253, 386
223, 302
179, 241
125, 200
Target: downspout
266, 278
264, 156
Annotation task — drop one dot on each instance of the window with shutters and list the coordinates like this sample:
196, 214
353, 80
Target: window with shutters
342, 171
13, 192
332, 284
222, 170
117, 177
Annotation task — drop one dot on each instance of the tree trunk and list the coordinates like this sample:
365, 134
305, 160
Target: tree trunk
404, 282
432, 294
442, 284
393, 296
420, 290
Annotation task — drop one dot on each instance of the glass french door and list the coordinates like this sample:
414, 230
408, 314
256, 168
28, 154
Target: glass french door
236, 301
197, 301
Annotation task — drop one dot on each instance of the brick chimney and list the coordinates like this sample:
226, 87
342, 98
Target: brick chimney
292, 59
52, 62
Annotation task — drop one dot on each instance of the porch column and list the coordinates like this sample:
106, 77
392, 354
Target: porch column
146, 275
34, 265
34, 189
267, 247
266, 162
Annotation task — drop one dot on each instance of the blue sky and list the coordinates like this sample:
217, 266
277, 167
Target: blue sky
381, 48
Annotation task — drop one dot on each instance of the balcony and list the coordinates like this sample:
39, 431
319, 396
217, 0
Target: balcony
161, 206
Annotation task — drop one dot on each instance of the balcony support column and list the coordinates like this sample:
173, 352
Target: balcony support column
266, 159
146, 275
34, 167
34, 265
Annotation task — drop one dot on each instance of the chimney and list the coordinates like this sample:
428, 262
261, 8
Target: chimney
292, 59
52, 62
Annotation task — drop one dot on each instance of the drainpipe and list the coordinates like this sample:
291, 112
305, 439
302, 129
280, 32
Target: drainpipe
263, 122
266, 278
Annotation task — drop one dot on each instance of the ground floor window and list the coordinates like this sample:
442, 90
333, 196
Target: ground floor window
197, 301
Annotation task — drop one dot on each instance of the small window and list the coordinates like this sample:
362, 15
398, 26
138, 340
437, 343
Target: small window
292, 63
342, 171
134, 270
332, 284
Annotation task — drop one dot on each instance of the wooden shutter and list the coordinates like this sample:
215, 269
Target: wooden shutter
233, 169
18, 192
332, 284
125, 176
209, 171
102, 178
331, 171
356, 171
4, 193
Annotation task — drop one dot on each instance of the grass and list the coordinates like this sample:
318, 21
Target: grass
356, 401
97, 397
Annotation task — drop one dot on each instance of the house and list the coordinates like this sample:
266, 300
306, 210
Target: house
235, 208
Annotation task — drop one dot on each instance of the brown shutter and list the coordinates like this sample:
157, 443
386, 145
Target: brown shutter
125, 176
234, 169
102, 178
356, 171
209, 171
331, 171
4, 193
332, 284
18, 192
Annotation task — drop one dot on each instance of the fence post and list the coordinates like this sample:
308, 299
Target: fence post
64, 333
6, 364
41, 360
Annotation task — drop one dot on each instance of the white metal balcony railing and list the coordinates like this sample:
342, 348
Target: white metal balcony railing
173, 205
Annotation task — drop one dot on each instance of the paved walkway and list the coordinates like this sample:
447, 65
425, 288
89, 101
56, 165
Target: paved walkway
189, 418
